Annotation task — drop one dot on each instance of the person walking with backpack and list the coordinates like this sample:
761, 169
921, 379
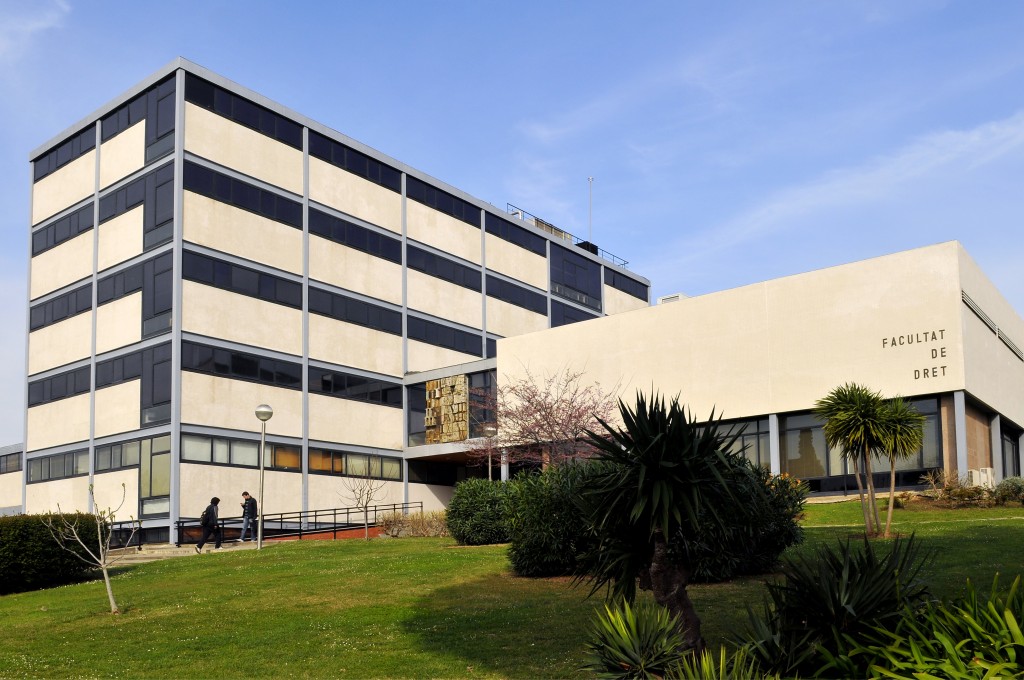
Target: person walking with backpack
249, 515
209, 521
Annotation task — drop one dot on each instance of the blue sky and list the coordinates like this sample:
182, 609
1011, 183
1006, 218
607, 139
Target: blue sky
730, 142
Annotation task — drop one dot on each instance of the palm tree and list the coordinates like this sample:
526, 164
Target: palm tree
903, 436
652, 478
854, 424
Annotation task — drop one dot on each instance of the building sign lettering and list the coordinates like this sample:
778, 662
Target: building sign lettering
934, 368
447, 417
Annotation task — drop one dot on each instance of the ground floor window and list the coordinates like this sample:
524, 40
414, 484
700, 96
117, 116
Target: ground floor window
1011, 455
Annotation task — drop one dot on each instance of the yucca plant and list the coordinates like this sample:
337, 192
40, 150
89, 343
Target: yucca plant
634, 642
970, 637
829, 598
735, 665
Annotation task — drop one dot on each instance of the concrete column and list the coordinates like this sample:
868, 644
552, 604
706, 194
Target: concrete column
774, 450
1020, 453
960, 431
996, 447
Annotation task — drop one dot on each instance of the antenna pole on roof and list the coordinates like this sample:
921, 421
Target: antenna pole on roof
590, 212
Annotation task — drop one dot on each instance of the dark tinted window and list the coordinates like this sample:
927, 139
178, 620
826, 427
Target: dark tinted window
354, 236
442, 268
155, 192
62, 230
426, 194
242, 195
67, 384
351, 310
62, 154
241, 280
156, 107
513, 233
360, 388
562, 314
60, 308
444, 336
240, 365
243, 111
622, 282
575, 277
354, 161
516, 295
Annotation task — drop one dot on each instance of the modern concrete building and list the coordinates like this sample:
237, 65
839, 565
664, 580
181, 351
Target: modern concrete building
197, 250
925, 324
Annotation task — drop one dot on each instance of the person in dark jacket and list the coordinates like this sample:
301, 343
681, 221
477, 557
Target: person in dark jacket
249, 516
211, 525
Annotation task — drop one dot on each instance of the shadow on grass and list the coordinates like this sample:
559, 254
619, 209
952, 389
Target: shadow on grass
516, 627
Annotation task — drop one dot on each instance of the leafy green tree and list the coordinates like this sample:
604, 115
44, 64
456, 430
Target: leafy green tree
657, 477
855, 424
902, 437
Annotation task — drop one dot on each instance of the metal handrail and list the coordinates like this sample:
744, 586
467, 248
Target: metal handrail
305, 522
543, 225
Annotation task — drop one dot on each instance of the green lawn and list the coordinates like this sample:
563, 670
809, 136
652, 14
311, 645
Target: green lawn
396, 608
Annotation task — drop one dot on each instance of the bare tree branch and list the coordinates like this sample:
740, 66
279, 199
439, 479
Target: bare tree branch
363, 493
66, 531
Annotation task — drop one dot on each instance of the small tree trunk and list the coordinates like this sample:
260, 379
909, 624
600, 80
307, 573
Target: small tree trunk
871, 491
860, 494
668, 583
892, 494
110, 591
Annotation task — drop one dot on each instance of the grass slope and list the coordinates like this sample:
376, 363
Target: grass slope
397, 608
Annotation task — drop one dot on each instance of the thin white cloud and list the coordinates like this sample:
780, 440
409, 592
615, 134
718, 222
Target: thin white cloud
20, 26
875, 181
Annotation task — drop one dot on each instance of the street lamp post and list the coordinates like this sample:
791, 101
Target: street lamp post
264, 413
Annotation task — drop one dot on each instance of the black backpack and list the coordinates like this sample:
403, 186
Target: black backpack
204, 519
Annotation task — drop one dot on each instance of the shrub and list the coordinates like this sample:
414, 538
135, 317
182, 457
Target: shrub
477, 512
952, 491
414, 525
634, 642
829, 598
1009, 490
734, 665
754, 533
967, 638
30, 558
546, 528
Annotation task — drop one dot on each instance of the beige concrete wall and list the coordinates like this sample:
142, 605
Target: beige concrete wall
433, 497
65, 187
353, 270
120, 238
123, 154
444, 300
506, 319
72, 495
979, 439
354, 422
282, 491
118, 408
442, 231
329, 491
232, 230
515, 262
222, 141
995, 375
347, 344
108, 490
60, 343
423, 356
59, 422
222, 402
354, 195
10, 489
616, 302
119, 323
55, 268
776, 346
221, 314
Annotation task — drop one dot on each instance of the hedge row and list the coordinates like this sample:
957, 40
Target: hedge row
30, 557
